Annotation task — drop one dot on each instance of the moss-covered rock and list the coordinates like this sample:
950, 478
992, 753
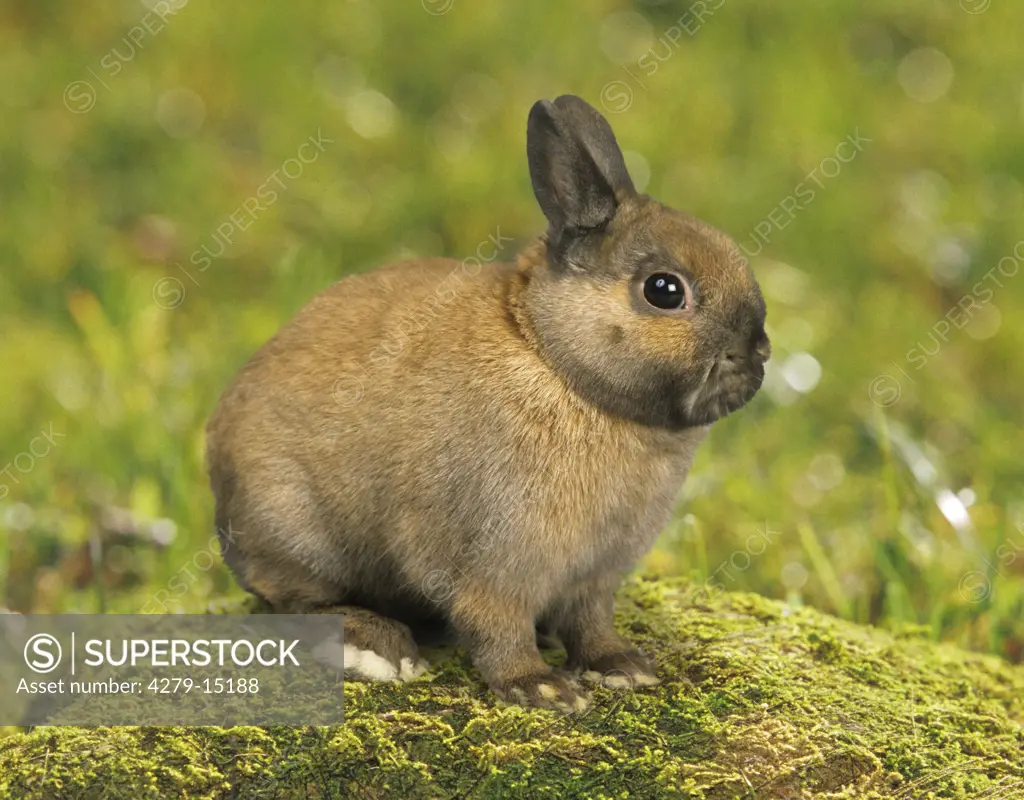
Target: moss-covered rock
758, 701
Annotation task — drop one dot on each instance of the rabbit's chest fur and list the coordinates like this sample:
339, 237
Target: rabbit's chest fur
496, 469
593, 509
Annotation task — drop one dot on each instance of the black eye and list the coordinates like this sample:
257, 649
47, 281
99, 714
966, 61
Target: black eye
665, 290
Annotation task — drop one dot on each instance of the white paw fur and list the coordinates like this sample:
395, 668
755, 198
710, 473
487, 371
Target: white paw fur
410, 671
550, 693
547, 691
620, 680
366, 664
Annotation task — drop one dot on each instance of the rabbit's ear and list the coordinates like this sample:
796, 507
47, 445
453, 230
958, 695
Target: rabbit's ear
578, 174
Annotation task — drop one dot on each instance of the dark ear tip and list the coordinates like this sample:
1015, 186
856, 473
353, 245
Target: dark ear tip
543, 117
568, 101
542, 107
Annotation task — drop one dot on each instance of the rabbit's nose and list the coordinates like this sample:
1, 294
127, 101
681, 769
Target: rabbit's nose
762, 346
756, 348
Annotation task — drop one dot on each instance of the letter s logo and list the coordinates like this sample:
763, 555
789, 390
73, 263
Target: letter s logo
42, 653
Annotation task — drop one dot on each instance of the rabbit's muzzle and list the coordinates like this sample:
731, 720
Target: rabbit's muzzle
731, 379
739, 369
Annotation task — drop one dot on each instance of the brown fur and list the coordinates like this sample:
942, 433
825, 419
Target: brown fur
417, 444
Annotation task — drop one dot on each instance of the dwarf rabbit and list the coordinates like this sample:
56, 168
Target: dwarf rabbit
492, 446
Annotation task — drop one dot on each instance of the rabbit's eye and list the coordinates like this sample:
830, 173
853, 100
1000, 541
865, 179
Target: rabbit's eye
665, 290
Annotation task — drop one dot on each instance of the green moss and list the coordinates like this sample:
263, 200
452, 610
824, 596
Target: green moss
758, 701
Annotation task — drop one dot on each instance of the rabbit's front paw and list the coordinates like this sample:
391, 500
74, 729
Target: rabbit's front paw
625, 670
543, 690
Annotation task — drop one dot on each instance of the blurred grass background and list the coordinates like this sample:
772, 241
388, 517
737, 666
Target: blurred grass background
860, 480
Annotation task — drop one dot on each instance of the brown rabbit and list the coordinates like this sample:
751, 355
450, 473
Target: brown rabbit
492, 447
